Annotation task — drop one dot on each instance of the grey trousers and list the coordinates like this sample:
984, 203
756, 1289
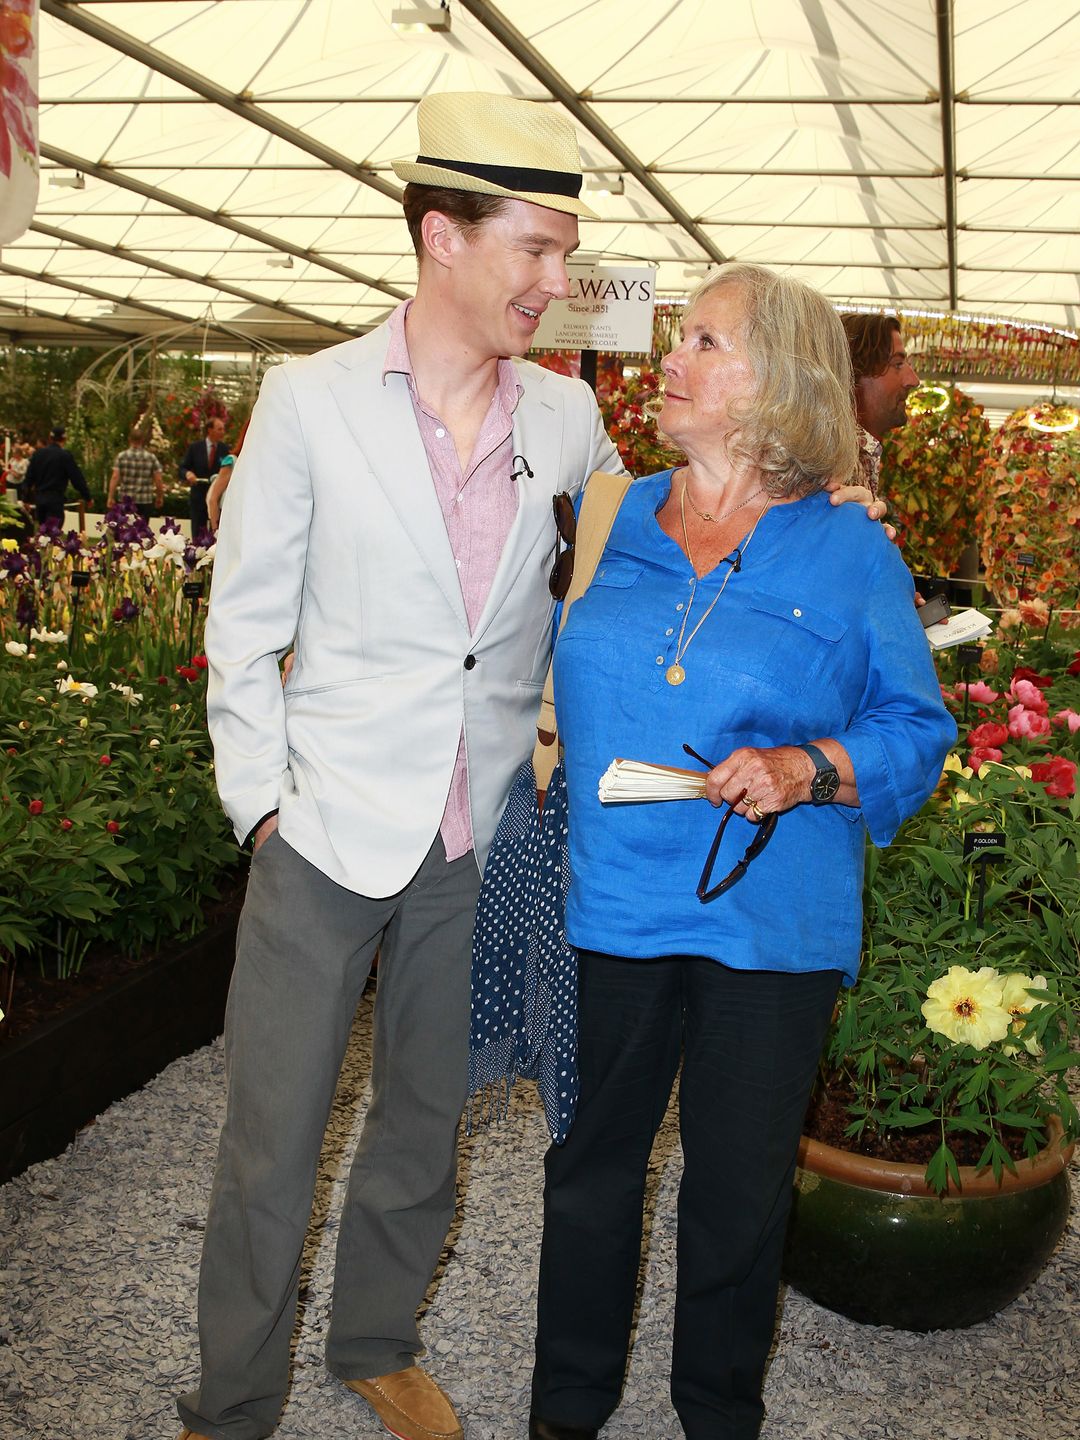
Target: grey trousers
304, 950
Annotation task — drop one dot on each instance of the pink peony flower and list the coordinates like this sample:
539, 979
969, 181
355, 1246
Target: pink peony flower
1025, 724
978, 690
1069, 718
1029, 695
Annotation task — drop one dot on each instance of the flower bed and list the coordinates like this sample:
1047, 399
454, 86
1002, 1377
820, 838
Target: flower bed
110, 825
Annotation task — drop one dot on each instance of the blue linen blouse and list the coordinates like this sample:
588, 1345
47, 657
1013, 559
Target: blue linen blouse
816, 635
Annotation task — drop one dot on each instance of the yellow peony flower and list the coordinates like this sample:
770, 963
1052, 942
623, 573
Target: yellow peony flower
1019, 1004
1021, 770
955, 766
965, 1006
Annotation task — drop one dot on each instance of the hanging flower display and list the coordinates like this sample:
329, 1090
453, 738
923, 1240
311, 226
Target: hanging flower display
642, 448
928, 471
1029, 509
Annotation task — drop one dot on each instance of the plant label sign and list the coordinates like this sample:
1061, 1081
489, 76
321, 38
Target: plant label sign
969, 654
609, 308
978, 842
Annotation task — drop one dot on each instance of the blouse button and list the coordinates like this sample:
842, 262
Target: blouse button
669, 631
679, 606
659, 659
797, 613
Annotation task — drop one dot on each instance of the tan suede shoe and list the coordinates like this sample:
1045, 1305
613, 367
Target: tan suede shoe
410, 1405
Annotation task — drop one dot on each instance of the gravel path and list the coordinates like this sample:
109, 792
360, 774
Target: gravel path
99, 1255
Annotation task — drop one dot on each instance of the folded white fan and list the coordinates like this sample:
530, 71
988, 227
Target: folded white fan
636, 780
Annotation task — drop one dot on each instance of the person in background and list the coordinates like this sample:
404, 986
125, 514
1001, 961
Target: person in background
200, 464
137, 475
732, 612
15, 473
884, 378
51, 470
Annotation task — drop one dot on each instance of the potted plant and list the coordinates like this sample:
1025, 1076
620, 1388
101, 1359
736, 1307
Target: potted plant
932, 1184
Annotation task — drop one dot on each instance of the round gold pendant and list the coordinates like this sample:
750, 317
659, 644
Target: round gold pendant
675, 675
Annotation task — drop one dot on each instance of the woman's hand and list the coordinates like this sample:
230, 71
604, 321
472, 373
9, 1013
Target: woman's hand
774, 779
777, 778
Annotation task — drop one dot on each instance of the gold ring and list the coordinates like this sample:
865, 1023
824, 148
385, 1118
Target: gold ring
758, 812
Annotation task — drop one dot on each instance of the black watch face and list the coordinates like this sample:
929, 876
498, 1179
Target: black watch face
824, 786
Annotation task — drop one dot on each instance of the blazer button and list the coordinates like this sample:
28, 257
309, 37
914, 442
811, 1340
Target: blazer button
470, 661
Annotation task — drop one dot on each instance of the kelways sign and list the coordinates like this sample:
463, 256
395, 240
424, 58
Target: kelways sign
609, 308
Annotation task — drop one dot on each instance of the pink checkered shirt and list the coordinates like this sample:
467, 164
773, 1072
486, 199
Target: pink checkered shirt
479, 506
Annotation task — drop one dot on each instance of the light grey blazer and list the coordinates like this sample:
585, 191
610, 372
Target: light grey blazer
333, 542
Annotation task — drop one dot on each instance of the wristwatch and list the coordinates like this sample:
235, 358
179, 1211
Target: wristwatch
826, 781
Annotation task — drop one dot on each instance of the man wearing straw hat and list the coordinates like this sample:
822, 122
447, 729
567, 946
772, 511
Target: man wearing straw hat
390, 519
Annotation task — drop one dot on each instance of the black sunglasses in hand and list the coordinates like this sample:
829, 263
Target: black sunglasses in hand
753, 850
562, 572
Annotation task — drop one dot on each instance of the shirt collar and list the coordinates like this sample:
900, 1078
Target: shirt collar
397, 362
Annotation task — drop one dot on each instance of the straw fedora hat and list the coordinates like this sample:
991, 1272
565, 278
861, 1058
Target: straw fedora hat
497, 145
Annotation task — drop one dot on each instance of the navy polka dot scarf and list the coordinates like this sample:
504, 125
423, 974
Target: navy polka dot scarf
524, 974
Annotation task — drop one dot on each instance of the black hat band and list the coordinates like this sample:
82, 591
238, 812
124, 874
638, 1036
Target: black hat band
513, 177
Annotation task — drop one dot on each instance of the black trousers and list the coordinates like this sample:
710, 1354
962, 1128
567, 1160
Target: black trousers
750, 1042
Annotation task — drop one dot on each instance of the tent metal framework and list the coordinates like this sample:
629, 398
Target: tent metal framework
225, 164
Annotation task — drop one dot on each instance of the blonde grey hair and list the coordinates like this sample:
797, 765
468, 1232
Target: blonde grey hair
798, 428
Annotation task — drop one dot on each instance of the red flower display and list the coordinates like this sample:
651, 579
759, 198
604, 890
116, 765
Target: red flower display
36, 807
988, 734
1057, 776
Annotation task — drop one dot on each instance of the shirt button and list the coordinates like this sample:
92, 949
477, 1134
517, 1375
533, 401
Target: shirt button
439, 433
679, 606
659, 659
797, 613
669, 631
470, 662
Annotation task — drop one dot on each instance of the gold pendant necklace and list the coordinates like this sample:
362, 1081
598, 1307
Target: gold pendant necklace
715, 519
675, 674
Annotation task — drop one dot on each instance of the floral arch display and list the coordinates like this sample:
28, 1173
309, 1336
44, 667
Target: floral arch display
1029, 508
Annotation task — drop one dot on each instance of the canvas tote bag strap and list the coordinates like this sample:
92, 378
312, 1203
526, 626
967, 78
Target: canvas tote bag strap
604, 494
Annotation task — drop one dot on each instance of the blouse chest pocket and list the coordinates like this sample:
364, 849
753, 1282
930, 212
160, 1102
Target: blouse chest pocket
597, 612
787, 643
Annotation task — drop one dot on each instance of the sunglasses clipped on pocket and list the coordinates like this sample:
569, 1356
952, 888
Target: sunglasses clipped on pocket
562, 572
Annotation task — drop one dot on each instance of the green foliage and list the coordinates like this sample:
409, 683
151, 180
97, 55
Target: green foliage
37, 388
110, 825
109, 822
135, 887
921, 919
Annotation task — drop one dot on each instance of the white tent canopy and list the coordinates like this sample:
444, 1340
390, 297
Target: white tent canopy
228, 164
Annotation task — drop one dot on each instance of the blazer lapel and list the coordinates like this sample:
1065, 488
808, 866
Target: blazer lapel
382, 422
538, 436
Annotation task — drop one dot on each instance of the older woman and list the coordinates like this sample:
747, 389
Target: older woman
735, 612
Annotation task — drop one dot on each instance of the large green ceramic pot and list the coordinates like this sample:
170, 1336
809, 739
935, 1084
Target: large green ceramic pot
868, 1239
